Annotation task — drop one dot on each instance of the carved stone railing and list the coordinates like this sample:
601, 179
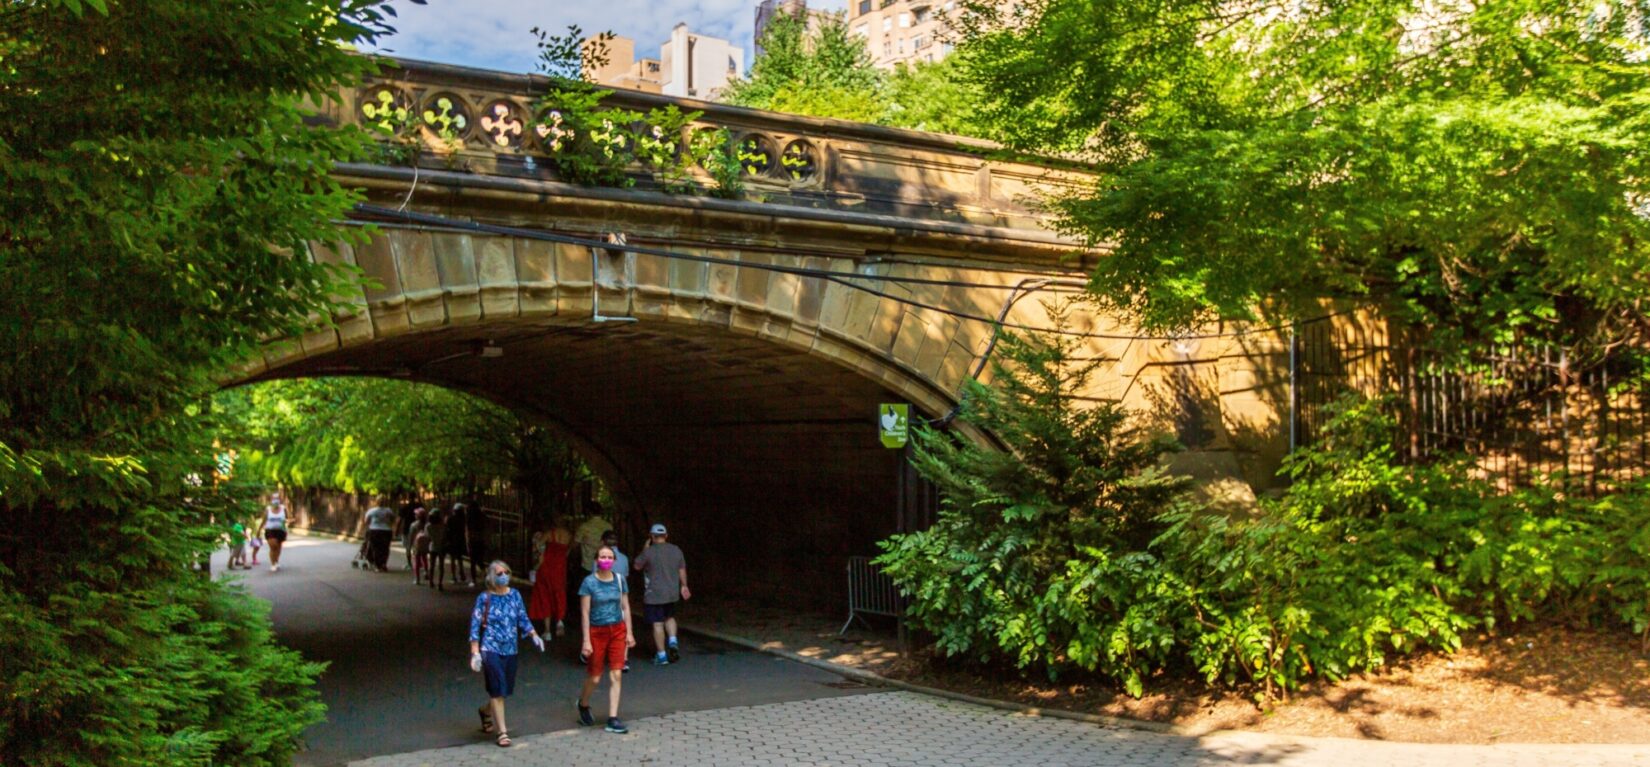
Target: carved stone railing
483, 122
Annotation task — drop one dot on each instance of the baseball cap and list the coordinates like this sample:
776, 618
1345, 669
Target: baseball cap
658, 530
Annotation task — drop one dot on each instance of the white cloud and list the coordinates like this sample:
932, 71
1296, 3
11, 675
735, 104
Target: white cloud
494, 34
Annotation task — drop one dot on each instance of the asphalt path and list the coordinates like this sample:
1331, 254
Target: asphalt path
399, 680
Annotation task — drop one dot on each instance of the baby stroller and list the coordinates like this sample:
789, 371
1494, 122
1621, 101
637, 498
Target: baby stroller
361, 559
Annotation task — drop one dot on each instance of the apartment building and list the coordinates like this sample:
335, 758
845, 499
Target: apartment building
691, 65
622, 70
767, 10
697, 66
902, 31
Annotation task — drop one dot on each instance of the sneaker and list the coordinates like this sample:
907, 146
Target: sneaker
561, 629
585, 719
661, 660
472, 584
626, 668
672, 653
614, 725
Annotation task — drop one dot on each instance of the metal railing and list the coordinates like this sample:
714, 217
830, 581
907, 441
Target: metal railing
1523, 413
870, 592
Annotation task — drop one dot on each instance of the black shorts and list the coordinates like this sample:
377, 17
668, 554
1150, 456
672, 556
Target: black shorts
275, 534
659, 613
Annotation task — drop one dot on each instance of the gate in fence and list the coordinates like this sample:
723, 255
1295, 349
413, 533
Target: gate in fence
870, 592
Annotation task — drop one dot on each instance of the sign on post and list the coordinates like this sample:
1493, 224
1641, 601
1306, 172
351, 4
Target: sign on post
894, 424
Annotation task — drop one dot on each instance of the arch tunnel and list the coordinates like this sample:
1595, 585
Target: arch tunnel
764, 460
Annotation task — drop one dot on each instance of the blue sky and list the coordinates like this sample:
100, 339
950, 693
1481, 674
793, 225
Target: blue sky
494, 33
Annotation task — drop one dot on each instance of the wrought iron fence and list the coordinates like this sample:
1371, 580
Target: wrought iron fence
1524, 412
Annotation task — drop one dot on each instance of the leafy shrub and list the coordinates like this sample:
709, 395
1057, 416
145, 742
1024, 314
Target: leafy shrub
1071, 551
1039, 555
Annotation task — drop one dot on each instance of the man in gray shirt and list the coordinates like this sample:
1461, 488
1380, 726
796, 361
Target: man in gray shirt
380, 528
666, 570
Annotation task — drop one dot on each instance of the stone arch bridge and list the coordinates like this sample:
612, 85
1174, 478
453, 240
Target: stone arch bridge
735, 396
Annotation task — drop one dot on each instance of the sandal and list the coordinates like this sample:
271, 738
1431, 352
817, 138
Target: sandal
503, 740
486, 720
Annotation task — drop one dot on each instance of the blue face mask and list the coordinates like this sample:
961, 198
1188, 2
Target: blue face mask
502, 579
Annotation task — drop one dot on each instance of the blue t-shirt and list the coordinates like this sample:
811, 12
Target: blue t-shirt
506, 620
605, 609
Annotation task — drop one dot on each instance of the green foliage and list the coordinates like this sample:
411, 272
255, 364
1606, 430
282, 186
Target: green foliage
158, 191
1477, 170
1040, 552
828, 73
1072, 552
599, 146
382, 435
825, 74
936, 97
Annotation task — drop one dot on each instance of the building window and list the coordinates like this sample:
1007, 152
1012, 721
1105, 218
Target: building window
904, 20
920, 15
864, 7
733, 66
862, 30
920, 42
887, 48
887, 24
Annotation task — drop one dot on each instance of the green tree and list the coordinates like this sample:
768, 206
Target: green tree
1476, 170
935, 97
158, 189
383, 435
1041, 552
823, 73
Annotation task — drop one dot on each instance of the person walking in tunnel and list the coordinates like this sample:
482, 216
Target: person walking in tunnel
497, 624
272, 528
420, 545
380, 530
666, 575
475, 536
404, 520
604, 604
457, 518
549, 602
437, 530
588, 537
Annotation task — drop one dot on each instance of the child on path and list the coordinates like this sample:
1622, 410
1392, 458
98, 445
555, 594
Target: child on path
257, 543
237, 546
420, 535
496, 625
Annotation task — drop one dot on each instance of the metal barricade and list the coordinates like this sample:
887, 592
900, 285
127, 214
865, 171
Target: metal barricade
870, 592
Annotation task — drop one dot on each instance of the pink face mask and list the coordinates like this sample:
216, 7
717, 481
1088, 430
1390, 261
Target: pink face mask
604, 564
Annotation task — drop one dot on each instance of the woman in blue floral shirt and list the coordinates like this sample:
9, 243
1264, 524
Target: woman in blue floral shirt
497, 622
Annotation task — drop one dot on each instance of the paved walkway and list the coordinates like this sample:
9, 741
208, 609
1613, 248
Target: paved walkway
399, 676
903, 729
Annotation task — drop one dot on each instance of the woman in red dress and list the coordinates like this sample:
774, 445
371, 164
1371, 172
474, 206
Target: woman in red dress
549, 601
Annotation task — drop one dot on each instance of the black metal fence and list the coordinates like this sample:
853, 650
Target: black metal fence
1524, 412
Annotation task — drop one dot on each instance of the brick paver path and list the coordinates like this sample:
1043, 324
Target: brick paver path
903, 729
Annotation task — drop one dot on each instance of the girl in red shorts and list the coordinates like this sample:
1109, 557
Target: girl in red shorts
604, 603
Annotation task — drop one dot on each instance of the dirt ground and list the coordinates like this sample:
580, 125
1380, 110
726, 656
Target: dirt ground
1541, 684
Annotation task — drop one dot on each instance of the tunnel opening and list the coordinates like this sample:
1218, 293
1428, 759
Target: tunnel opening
762, 459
